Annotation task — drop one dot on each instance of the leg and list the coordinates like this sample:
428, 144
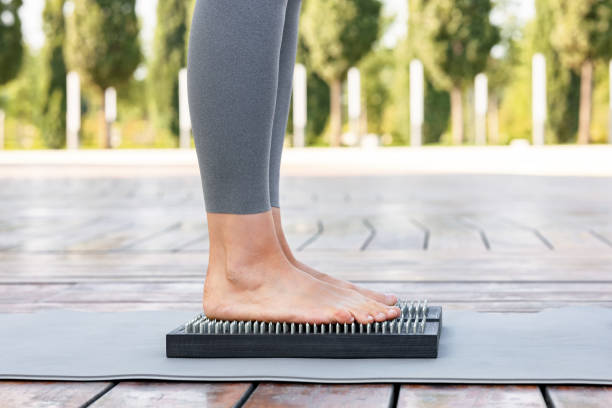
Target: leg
233, 68
283, 98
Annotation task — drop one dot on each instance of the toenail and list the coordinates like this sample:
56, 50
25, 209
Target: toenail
381, 316
370, 318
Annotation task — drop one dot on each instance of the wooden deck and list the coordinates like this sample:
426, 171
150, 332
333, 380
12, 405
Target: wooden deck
488, 243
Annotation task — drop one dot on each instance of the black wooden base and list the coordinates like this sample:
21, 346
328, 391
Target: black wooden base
401, 338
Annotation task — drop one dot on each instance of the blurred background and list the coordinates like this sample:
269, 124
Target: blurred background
107, 73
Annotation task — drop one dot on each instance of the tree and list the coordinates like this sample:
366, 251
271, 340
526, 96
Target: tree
102, 42
581, 35
54, 104
563, 84
337, 35
453, 39
169, 56
11, 46
396, 118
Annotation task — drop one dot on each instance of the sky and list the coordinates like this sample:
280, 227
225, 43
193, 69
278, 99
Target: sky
31, 19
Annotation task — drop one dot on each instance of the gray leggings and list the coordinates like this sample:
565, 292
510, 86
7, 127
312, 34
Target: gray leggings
239, 73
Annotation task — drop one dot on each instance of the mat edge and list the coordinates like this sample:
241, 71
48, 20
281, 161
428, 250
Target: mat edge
506, 381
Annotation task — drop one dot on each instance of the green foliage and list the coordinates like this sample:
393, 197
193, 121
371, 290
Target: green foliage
339, 33
53, 124
377, 70
169, 57
317, 99
581, 30
397, 112
102, 41
453, 38
24, 97
11, 47
317, 105
563, 85
190, 7
397, 115
437, 113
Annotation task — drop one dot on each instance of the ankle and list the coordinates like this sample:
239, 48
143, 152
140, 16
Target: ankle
247, 269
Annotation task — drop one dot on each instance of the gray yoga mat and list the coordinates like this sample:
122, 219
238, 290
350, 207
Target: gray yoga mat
568, 345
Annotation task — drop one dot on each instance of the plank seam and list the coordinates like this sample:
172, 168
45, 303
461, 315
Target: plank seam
247, 394
313, 238
394, 396
542, 238
426, 233
601, 238
546, 396
483, 235
99, 395
371, 235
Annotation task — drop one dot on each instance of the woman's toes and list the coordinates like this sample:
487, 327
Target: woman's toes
380, 317
343, 316
393, 312
362, 316
390, 300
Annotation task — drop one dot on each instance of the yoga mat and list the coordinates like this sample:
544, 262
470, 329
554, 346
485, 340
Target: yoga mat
567, 345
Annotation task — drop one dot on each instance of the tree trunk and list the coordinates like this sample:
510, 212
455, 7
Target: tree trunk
335, 119
457, 115
586, 100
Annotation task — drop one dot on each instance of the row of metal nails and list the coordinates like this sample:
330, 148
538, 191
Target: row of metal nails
412, 320
207, 326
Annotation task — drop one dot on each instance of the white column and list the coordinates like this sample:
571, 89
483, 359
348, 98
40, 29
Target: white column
73, 110
110, 113
299, 105
481, 103
610, 110
354, 102
538, 98
184, 117
417, 95
2, 115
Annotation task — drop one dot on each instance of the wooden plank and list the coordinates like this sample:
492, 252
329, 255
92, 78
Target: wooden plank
174, 240
341, 233
108, 296
65, 241
397, 231
474, 396
446, 232
49, 394
32, 230
125, 238
565, 231
195, 306
502, 234
172, 394
272, 395
364, 266
580, 396
439, 291
10, 294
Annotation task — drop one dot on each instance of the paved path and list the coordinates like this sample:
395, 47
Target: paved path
112, 241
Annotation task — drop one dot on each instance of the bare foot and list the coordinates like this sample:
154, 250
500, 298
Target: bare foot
249, 278
387, 299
